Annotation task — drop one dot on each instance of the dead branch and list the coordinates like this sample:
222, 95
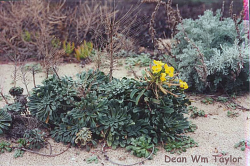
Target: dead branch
201, 69
24, 78
42, 154
6, 101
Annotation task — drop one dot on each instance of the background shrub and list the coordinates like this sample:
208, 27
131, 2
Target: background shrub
221, 61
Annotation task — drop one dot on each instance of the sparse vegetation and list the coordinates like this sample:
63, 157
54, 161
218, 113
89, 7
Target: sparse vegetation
84, 50
142, 147
142, 60
243, 144
180, 145
140, 113
208, 100
195, 112
232, 114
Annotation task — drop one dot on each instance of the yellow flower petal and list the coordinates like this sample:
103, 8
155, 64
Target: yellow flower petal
163, 77
182, 84
166, 68
171, 69
185, 85
171, 74
156, 69
158, 63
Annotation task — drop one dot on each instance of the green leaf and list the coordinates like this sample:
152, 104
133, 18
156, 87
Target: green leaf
139, 96
133, 93
156, 101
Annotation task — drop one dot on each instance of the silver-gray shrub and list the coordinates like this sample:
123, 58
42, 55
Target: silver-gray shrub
225, 53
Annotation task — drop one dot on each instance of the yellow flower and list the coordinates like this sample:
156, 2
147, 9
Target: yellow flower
156, 69
158, 63
166, 68
183, 85
163, 77
171, 74
169, 70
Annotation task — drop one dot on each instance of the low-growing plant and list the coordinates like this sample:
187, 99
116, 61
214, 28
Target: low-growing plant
35, 139
92, 159
125, 54
65, 133
16, 91
232, 106
208, 100
195, 112
232, 114
179, 146
18, 153
56, 43
192, 128
222, 99
243, 144
26, 35
113, 121
15, 108
21, 144
5, 121
84, 50
142, 147
19, 106
68, 47
84, 138
141, 60
5, 147
116, 111
50, 101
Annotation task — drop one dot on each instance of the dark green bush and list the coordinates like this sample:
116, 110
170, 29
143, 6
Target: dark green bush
50, 102
116, 111
35, 139
225, 54
16, 91
19, 106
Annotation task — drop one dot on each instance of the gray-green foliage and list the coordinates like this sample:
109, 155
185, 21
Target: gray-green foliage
195, 113
50, 101
141, 60
5, 146
142, 147
116, 111
20, 101
35, 139
180, 145
243, 144
92, 159
225, 56
5, 121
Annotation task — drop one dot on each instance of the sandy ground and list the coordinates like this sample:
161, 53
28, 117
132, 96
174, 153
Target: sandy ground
217, 131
